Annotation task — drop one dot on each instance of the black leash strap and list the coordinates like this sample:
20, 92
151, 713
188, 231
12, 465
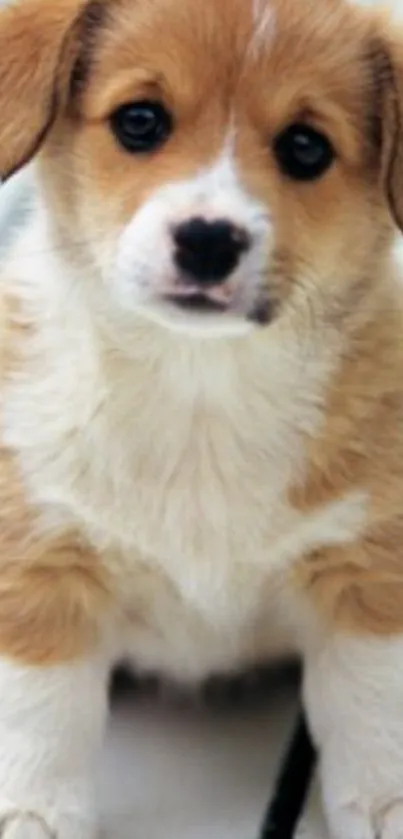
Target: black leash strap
292, 785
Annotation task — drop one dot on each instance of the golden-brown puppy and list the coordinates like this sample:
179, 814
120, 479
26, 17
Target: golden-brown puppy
201, 461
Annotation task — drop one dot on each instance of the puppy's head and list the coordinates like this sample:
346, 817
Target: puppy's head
208, 163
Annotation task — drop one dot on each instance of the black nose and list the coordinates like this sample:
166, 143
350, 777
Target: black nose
208, 251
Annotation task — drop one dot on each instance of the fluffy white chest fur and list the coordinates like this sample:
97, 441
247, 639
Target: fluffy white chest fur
176, 459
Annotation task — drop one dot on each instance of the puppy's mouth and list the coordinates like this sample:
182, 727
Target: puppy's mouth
198, 302
214, 302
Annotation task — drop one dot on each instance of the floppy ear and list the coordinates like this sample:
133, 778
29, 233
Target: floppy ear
390, 85
38, 49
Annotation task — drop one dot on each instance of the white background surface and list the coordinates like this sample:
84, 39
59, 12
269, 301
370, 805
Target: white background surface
181, 774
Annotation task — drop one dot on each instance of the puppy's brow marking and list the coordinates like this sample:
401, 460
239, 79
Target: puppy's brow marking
91, 20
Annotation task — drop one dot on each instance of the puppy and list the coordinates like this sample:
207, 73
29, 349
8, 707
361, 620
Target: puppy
201, 461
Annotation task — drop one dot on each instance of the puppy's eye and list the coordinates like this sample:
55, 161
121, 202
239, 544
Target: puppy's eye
141, 126
303, 153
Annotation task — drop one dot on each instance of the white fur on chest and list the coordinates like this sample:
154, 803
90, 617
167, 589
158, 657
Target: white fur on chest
179, 457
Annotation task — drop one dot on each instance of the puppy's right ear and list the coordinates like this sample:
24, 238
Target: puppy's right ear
39, 43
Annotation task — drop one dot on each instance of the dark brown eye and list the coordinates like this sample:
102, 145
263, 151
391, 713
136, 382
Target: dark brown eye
141, 126
303, 153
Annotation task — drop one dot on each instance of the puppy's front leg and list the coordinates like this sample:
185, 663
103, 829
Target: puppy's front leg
54, 602
354, 700
51, 724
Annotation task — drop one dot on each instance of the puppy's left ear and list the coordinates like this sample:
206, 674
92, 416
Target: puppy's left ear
388, 58
39, 43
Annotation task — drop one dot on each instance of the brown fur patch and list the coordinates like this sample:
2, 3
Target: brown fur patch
54, 591
40, 44
360, 587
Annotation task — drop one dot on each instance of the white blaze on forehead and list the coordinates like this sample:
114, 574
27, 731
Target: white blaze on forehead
263, 23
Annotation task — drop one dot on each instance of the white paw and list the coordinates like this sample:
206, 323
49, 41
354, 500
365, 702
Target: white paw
18, 824
356, 809
355, 821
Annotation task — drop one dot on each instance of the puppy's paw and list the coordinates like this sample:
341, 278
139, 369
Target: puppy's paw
361, 811
355, 821
353, 691
24, 826
17, 824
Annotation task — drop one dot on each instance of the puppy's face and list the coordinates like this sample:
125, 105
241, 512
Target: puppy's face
220, 162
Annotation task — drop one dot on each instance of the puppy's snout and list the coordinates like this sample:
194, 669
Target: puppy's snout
207, 252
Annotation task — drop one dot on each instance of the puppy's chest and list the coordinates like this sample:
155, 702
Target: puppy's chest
194, 485
198, 492
208, 501
185, 475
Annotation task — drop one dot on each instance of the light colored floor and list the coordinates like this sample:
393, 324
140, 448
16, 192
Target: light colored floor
178, 774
